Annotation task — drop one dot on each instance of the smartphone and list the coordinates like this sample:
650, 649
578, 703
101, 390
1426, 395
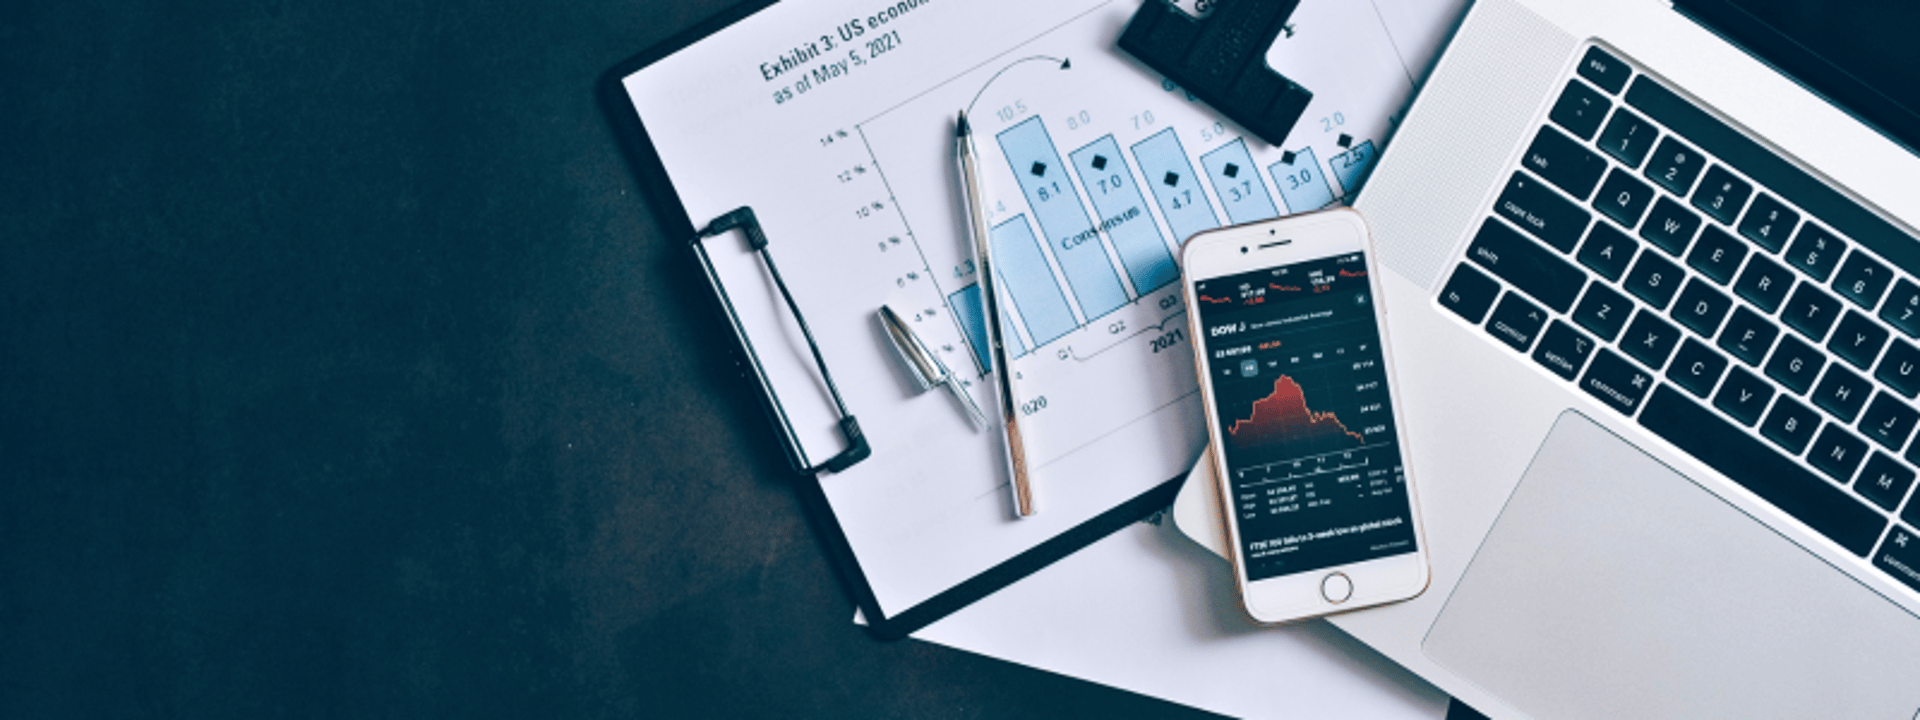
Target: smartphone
1304, 416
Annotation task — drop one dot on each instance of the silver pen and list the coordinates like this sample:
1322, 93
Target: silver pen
1016, 453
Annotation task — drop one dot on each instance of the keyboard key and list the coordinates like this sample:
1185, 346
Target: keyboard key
1541, 212
1743, 396
1516, 322
1842, 393
1790, 425
1717, 255
1628, 138
1564, 162
1721, 195
1811, 311
1884, 481
1748, 335
1837, 453
1701, 308
1912, 516
1858, 340
1862, 280
1769, 223
1580, 109
1607, 250
1469, 293
1899, 556
1889, 421
1527, 265
1764, 283
1563, 350
1675, 166
1650, 339
1779, 480
1603, 311
1616, 382
1903, 309
1697, 367
1623, 198
1605, 70
1900, 369
1654, 279
1670, 226
1815, 251
1795, 364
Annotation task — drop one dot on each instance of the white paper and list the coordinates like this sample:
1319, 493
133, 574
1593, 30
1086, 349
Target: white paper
1149, 611
834, 121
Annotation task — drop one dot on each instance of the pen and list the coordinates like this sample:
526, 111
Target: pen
926, 366
1016, 454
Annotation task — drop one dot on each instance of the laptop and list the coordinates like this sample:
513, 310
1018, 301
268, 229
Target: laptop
1656, 303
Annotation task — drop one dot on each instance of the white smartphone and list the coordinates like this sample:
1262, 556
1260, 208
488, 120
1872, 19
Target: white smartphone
1311, 457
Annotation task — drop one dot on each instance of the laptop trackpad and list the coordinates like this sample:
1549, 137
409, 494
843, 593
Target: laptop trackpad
1612, 587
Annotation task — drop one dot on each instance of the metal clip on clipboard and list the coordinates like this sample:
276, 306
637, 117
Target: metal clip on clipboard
742, 219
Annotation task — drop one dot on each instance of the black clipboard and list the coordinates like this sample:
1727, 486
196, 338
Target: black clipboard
658, 187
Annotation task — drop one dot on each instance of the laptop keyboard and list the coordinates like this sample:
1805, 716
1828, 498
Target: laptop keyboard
1691, 279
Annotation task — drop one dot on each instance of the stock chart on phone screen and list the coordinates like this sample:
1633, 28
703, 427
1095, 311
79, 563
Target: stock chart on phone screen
1298, 375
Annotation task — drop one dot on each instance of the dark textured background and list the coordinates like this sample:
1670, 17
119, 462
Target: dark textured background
343, 371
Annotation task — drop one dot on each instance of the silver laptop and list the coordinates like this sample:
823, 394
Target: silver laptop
1657, 306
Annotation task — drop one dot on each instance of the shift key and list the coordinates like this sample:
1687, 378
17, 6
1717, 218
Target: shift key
1535, 270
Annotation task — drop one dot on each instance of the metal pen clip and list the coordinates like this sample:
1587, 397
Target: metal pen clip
925, 367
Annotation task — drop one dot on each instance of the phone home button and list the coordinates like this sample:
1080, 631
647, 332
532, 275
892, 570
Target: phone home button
1336, 588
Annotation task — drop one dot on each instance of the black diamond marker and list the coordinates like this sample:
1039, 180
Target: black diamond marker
1287, 157
1099, 162
1039, 169
1230, 170
1346, 140
1172, 179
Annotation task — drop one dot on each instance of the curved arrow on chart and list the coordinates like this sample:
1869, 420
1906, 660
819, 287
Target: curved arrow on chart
1065, 64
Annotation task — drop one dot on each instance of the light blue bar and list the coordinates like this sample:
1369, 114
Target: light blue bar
1236, 181
1303, 185
1175, 186
1063, 220
966, 306
1351, 167
1124, 215
1029, 283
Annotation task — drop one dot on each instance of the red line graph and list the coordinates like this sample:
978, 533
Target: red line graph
1283, 417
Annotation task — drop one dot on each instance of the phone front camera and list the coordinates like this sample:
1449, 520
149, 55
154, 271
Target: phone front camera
1243, 249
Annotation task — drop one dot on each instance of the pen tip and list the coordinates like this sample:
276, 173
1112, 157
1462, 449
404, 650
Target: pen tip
961, 129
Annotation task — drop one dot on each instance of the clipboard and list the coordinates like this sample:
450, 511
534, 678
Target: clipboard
645, 160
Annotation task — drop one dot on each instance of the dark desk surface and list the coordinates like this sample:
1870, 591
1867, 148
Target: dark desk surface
346, 373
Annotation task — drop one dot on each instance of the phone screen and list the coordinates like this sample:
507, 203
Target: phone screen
1300, 382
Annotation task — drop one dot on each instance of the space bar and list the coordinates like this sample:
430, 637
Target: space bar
1757, 467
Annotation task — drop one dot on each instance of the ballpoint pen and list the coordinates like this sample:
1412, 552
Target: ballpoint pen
1016, 455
